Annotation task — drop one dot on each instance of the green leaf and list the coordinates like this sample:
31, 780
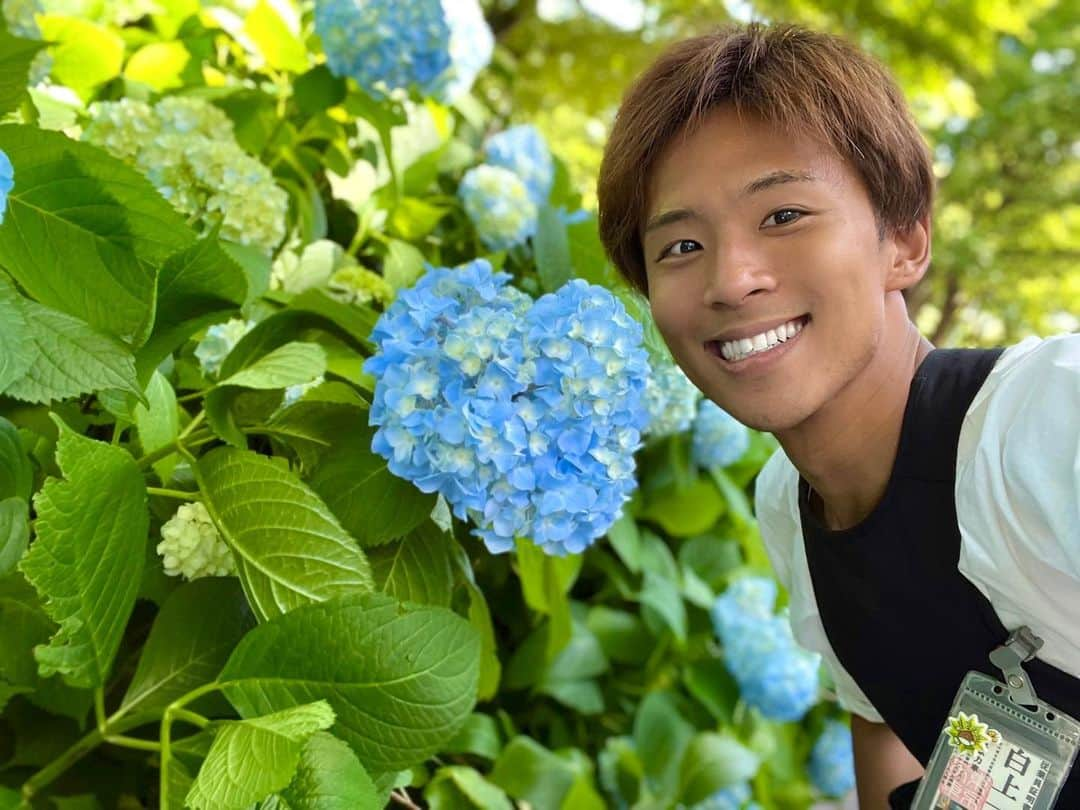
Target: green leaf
16, 472
529, 772
661, 600
552, 249
85, 55
713, 761
709, 681
159, 65
661, 735
195, 631
84, 232
685, 511
372, 503
330, 777
200, 284
289, 548
253, 758
9, 799
16, 54
626, 540
413, 218
16, 343
23, 625
401, 678
14, 533
279, 46
416, 568
66, 357
621, 634
158, 422
88, 557
403, 264
479, 737
311, 427
354, 321
317, 90
545, 581
292, 364
457, 787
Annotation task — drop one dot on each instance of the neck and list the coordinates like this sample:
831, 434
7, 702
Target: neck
846, 449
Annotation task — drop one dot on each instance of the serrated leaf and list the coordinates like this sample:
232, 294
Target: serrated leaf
15, 344
84, 232
16, 54
279, 46
198, 285
330, 777
289, 548
198, 626
312, 426
292, 364
253, 758
401, 679
22, 626
158, 422
372, 503
159, 65
16, 473
416, 568
88, 557
84, 54
68, 358
14, 533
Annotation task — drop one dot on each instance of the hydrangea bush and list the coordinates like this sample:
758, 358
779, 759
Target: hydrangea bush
319, 403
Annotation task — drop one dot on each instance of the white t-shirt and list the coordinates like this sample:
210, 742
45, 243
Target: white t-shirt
1017, 505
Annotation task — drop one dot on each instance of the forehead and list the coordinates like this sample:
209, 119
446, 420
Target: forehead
727, 152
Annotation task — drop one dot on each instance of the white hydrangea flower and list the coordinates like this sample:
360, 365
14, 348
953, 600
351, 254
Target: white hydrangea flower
186, 148
354, 284
671, 398
191, 546
295, 392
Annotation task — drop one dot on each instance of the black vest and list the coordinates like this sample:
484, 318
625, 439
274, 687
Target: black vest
901, 618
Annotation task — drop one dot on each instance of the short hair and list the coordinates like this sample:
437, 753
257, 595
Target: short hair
805, 82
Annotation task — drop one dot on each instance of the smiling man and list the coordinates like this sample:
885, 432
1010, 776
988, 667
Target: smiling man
768, 191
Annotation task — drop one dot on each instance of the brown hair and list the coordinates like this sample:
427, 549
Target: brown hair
804, 82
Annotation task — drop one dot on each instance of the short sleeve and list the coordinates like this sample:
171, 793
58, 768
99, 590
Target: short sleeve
777, 507
1018, 493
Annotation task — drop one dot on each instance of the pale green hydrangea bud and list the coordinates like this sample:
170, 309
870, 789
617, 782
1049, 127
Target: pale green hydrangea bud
294, 272
358, 285
220, 339
671, 399
191, 546
186, 148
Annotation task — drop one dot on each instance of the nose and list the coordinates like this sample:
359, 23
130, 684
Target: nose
736, 272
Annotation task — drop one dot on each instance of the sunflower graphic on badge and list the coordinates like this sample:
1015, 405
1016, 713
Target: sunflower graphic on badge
969, 735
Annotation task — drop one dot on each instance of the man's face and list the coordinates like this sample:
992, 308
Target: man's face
766, 275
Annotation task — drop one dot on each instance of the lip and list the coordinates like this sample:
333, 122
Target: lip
762, 360
740, 332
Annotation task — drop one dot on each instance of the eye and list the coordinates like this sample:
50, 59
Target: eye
784, 216
682, 248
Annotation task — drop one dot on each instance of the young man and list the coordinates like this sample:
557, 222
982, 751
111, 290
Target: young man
768, 191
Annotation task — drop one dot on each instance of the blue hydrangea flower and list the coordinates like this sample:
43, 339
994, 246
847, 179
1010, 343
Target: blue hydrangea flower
832, 760
774, 674
523, 150
671, 399
523, 416
718, 440
7, 182
220, 339
386, 44
499, 206
471, 45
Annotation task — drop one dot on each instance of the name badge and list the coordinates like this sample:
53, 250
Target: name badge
1001, 748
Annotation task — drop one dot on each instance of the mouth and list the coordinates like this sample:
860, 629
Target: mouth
773, 341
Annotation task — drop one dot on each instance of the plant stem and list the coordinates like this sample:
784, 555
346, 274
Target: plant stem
173, 493
133, 742
113, 726
402, 798
194, 395
174, 447
99, 709
194, 423
194, 718
175, 710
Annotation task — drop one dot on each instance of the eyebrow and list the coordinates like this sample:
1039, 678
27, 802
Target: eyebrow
755, 186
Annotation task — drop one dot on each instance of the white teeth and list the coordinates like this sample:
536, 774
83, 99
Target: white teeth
735, 350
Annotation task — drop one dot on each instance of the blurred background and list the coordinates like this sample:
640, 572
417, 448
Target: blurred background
994, 85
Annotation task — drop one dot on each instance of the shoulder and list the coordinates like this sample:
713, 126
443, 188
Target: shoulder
1018, 492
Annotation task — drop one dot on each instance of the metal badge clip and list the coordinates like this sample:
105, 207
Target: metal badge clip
1020, 646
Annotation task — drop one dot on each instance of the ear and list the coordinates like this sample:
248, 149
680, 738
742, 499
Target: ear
911, 255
